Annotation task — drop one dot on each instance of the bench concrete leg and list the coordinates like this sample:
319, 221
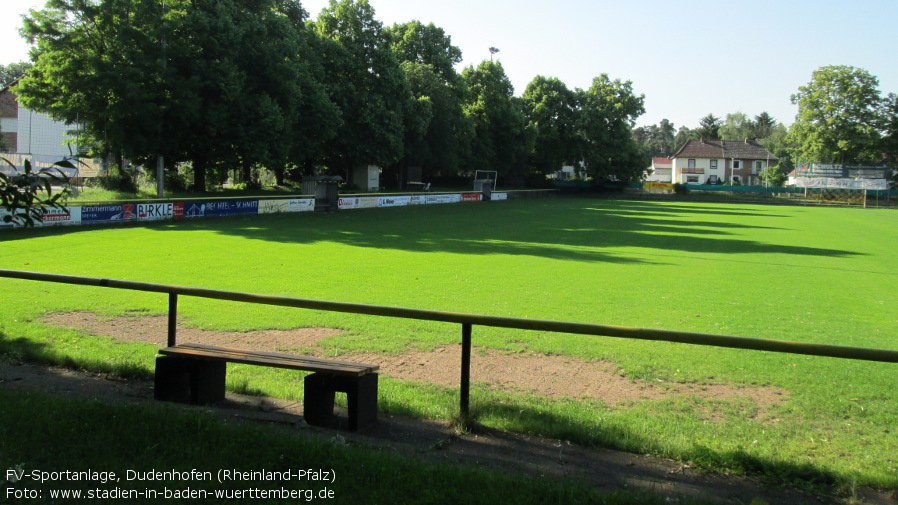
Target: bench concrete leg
195, 381
361, 395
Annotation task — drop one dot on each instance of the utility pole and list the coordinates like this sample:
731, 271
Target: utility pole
160, 159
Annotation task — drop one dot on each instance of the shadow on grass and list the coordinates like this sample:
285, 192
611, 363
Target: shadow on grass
500, 415
546, 420
576, 230
564, 229
23, 349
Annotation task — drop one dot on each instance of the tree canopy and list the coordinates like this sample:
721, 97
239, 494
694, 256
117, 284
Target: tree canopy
608, 111
502, 139
551, 112
226, 87
840, 117
367, 85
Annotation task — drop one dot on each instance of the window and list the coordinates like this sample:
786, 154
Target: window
713, 164
737, 164
690, 164
759, 165
692, 179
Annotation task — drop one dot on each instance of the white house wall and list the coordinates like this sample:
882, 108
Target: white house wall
704, 163
39, 134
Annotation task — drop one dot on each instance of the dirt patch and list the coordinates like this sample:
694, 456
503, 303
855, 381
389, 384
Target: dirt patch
549, 376
553, 377
154, 330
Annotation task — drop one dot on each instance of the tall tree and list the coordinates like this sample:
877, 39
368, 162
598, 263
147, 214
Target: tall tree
551, 111
608, 111
764, 124
100, 64
428, 44
367, 84
685, 134
219, 83
839, 117
656, 140
737, 126
502, 141
438, 134
709, 127
284, 113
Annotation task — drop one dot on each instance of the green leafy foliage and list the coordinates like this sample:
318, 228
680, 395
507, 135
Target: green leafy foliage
502, 139
438, 134
709, 127
839, 118
656, 140
9, 73
28, 196
367, 85
551, 110
608, 111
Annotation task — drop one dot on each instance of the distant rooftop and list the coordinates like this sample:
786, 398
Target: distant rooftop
744, 150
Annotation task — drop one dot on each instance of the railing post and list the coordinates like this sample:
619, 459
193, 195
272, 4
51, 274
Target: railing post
465, 370
172, 318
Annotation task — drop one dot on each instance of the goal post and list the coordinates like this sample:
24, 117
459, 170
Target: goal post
485, 178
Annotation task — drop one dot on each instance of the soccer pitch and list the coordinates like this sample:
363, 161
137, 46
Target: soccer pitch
822, 275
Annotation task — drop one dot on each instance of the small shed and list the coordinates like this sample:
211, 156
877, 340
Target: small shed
326, 189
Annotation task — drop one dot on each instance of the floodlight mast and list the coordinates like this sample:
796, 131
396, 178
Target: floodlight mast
160, 159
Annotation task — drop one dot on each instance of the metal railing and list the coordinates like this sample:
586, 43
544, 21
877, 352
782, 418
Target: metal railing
467, 322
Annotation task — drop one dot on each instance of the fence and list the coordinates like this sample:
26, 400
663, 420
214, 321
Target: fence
467, 322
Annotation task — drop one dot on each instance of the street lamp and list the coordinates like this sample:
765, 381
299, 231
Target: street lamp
493, 51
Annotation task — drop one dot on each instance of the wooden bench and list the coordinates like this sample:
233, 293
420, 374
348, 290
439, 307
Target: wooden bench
194, 373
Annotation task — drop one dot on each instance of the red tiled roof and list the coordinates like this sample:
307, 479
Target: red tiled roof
744, 150
661, 160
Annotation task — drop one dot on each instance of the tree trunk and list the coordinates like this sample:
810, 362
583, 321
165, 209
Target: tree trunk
199, 174
247, 173
279, 175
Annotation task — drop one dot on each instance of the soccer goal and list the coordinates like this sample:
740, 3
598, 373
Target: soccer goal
485, 179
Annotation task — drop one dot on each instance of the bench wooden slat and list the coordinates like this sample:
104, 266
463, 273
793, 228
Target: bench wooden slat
274, 359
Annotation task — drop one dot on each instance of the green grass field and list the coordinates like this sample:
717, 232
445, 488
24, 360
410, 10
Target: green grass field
822, 275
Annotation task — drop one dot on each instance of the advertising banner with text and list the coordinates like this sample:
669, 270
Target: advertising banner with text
218, 208
286, 205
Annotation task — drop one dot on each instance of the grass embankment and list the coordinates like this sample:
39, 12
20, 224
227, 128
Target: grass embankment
806, 274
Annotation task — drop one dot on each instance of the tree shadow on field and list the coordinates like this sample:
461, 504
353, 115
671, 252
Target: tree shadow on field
23, 349
577, 230
543, 423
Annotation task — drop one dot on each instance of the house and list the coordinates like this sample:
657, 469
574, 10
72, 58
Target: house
660, 171
712, 161
27, 134
27, 131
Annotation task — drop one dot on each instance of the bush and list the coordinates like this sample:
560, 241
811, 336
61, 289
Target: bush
115, 180
681, 189
27, 197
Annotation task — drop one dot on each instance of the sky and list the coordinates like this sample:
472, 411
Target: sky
688, 57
